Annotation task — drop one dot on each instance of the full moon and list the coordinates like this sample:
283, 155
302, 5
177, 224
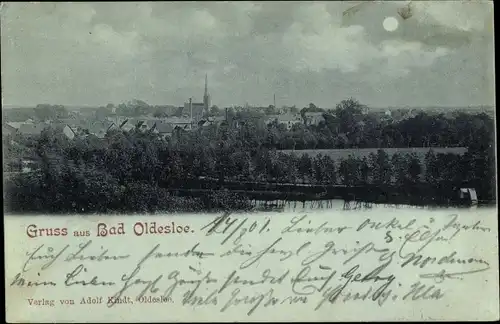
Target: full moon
390, 24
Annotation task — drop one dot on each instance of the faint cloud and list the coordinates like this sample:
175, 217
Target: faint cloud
247, 48
464, 15
124, 43
326, 45
401, 57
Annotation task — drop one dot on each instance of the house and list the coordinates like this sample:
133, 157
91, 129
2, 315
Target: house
204, 123
216, 119
15, 125
178, 129
75, 124
66, 129
288, 120
150, 123
127, 127
118, 120
197, 110
184, 123
32, 129
132, 121
468, 196
212, 120
313, 118
138, 124
8, 130
142, 124
164, 127
100, 129
99, 133
286, 110
164, 130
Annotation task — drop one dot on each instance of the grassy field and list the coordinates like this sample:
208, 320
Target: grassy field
337, 154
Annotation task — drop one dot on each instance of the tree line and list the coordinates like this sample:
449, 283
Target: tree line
349, 125
352, 125
136, 171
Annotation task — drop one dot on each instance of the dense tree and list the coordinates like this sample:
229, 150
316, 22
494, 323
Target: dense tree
73, 174
349, 114
305, 167
349, 171
414, 169
45, 112
381, 167
329, 171
310, 108
431, 168
214, 111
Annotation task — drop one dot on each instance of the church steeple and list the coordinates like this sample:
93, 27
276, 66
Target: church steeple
206, 96
206, 84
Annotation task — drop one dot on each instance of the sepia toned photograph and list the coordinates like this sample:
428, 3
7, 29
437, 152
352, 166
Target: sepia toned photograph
363, 131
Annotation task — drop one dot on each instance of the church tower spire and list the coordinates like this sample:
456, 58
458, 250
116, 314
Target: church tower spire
206, 84
206, 96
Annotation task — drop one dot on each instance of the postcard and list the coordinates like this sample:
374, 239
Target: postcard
249, 161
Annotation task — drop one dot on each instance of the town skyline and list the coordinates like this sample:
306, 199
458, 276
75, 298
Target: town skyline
76, 107
207, 96
93, 54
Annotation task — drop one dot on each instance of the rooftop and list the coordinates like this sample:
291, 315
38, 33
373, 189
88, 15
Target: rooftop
288, 117
314, 114
165, 128
32, 129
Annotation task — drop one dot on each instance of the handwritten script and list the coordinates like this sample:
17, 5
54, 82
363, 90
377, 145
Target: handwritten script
253, 264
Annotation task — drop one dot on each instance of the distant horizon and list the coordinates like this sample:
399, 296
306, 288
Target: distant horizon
77, 106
